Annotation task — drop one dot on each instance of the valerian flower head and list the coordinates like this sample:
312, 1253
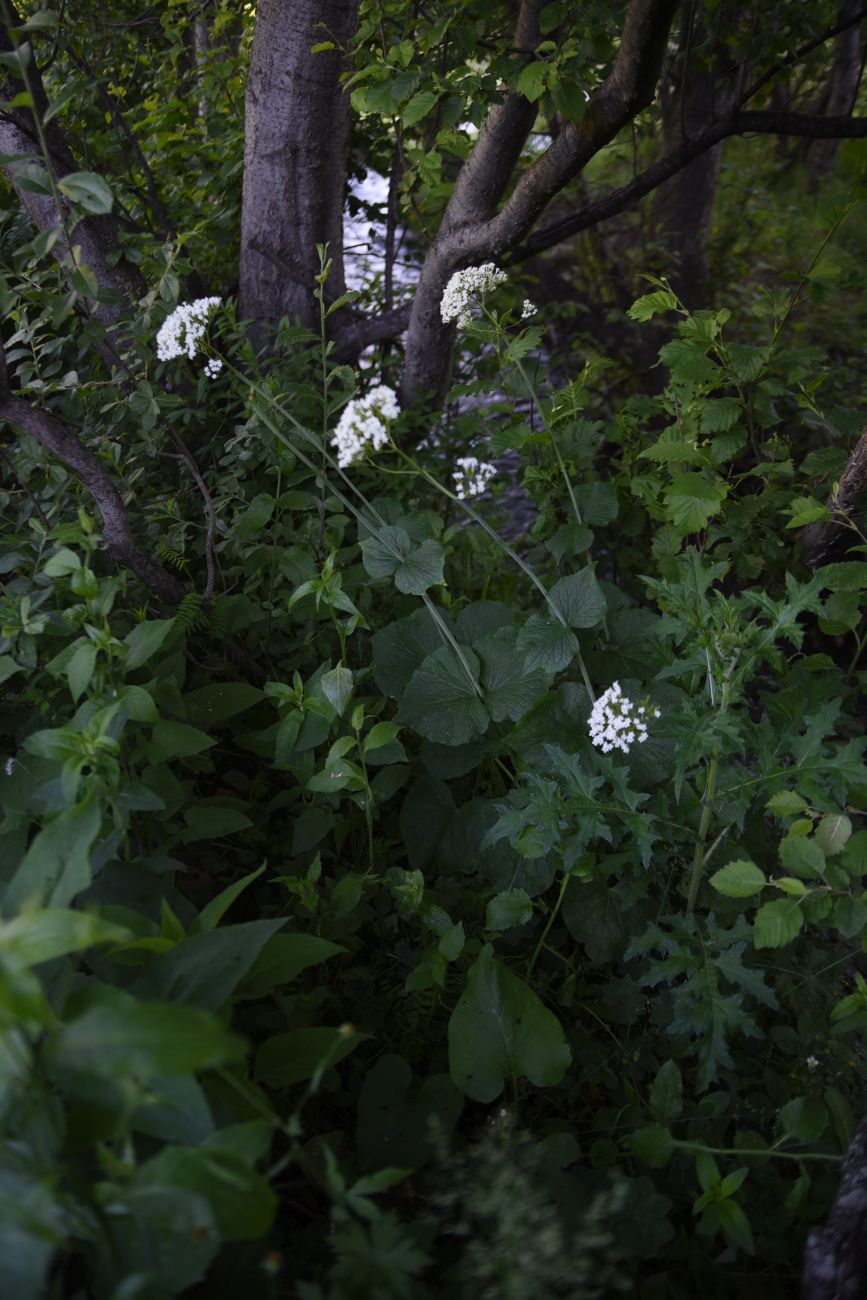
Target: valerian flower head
181, 332
813, 1063
472, 476
213, 367
467, 287
528, 309
363, 424
616, 722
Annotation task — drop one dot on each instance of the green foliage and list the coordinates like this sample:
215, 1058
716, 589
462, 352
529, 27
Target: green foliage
333, 953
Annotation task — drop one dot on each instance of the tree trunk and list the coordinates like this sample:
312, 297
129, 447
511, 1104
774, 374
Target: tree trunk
295, 156
474, 228
840, 91
683, 207
95, 236
835, 1260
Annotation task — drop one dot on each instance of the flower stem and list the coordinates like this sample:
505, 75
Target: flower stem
551, 919
703, 827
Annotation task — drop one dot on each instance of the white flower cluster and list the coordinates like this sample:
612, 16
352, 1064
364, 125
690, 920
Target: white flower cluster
472, 476
363, 425
182, 331
813, 1063
213, 367
617, 723
528, 309
465, 288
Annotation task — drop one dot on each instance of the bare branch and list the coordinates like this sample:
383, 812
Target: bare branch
625, 196
361, 332
50, 433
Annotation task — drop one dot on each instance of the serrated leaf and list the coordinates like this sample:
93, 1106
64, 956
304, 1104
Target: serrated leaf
738, 880
692, 500
802, 856
440, 702
511, 908
785, 803
646, 307
545, 643
778, 923
418, 107
653, 1145
532, 80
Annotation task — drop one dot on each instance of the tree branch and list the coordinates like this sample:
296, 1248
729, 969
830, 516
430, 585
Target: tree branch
50, 433
824, 540
625, 196
353, 338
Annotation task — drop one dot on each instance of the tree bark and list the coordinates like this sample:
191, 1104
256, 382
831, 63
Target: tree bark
835, 1260
828, 539
295, 157
683, 207
96, 237
473, 228
840, 91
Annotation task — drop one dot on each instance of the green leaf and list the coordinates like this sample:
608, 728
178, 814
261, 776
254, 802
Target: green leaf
213, 912
786, 803
176, 740
666, 1093
282, 960
647, 307
337, 687
653, 1145
418, 107
833, 833
56, 866
692, 500
422, 568
532, 80
778, 923
804, 1118
400, 648
579, 599
509, 909
500, 1029
80, 668
510, 689
390, 553
736, 1225
719, 414
546, 644
243, 1204
88, 190
36, 937
204, 970
738, 880
302, 1053
210, 821
144, 641
216, 703
113, 1035
802, 856
440, 703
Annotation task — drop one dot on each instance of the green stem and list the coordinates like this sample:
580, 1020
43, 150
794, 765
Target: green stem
551, 919
748, 1151
505, 547
704, 825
